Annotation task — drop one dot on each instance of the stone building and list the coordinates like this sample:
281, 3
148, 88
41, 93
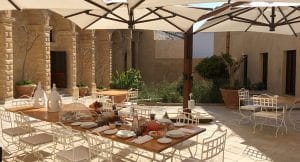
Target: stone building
40, 45
273, 59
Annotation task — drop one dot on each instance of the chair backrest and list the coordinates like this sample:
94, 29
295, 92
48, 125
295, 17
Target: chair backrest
22, 120
244, 98
184, 117
99, 146
243, 94
214, 145
132, 95
62, 134
5, 118
107, 105
143, 112
268, 102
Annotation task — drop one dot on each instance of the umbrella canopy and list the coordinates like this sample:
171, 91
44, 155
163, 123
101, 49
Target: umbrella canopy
44, 4
134, 14
280, 18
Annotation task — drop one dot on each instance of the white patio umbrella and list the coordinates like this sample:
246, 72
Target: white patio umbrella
280, 18
44, 4
128, 15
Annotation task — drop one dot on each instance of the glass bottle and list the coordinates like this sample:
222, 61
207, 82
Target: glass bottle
135, 123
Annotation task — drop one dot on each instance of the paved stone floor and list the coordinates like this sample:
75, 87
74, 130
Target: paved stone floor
242, 144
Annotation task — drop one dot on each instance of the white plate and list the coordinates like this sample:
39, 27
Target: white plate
164, 140
179, 124
175, 134
125, 133
76, 123
88, 125
111, 131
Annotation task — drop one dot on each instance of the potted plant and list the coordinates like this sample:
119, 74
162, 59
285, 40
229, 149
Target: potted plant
230, 93
221, 70
25, 88
83, 89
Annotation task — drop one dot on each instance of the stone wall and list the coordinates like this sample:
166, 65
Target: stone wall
157, 65
253, 44
6, 59
86, 58
32, 47
103, 57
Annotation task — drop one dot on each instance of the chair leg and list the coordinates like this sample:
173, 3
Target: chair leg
254, 127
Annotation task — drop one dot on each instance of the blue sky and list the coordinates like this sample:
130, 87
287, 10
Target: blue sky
206, 5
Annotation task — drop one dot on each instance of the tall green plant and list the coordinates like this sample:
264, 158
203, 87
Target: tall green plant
220, 69
125, 80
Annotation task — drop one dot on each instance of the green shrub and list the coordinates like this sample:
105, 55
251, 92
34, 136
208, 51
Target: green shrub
81, 84
212, 68
258, 86
168, 93
206, 92
100, 87
24, 82
126, 80
163, 92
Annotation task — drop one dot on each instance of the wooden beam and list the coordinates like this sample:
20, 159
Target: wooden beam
187, 67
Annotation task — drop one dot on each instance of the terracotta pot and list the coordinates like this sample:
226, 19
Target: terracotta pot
83, 91
25, 91
230, 98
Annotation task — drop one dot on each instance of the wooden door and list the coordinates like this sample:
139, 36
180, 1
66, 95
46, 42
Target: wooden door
290, 72
265, 57
59, 69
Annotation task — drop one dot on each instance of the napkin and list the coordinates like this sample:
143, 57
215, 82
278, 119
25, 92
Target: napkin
185, 130
142, 139
100, 129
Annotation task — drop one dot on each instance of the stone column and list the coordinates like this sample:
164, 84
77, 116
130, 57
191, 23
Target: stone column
6, 59
38, 59
103, 57
67, 41
86, 55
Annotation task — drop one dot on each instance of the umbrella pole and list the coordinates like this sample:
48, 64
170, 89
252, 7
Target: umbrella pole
187, 67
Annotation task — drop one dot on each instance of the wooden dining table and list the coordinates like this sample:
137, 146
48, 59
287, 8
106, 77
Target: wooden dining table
152, 145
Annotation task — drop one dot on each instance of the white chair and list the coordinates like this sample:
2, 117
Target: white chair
143, 111
271, 113
69, 139
132, 96
184, 117
294, 117
107, 106
210, 147
34, 144
12, 129
247, 105
99, 147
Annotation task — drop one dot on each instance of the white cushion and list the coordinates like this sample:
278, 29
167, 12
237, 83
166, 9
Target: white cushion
249, 107
185, 144
268, 114
38, 139
81, 153
17, 131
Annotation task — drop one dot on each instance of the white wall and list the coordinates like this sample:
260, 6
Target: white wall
203, 45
